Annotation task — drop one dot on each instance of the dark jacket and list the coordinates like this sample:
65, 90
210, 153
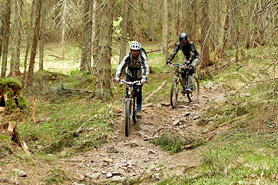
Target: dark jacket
186, 51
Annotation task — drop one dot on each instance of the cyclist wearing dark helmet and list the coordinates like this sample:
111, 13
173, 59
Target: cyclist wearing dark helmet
137, 68
191, 58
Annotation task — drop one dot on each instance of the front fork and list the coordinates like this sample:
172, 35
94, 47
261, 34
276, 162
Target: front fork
129, 97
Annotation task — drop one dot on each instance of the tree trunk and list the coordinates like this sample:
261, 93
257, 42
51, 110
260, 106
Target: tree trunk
165, 30
6, 34
15, 61
151, 24
124, 31
193, 19
205, 36
64, 27
103, 65
86, 50
96, 29
35, 43
28, 43
1, 32
42, 34
139, 22
222, 31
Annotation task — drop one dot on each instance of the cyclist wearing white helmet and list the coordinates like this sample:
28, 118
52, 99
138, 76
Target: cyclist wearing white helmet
137, 68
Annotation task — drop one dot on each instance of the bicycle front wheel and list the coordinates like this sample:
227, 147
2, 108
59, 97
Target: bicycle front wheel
127, 117
193, 97
174, 92
134, 112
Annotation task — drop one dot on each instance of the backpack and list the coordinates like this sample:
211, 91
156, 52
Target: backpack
143, 50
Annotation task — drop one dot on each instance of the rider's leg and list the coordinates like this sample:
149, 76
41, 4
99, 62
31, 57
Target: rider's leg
138, 90
190, 80
183, 75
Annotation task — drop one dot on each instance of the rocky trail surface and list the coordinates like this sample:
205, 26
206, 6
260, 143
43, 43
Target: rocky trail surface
132, 158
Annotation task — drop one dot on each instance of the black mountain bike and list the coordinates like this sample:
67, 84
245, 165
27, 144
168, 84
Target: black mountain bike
193, 96
130, 104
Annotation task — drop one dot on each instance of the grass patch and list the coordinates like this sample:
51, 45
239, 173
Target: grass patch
169, 143
57, 176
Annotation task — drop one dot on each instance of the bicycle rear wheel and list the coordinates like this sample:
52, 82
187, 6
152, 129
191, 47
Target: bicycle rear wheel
174, 92
127, 117
193, 97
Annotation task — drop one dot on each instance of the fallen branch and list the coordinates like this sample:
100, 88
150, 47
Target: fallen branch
78, 131
78, 90
156, 50
158, 89
55, 56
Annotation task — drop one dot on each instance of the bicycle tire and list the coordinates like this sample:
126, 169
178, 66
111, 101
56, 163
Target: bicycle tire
193, 97
174, 92
127, 117
134, 118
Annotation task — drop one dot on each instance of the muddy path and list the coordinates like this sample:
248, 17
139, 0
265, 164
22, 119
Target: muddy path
131, 158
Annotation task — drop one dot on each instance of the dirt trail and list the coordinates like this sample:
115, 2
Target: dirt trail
134, 157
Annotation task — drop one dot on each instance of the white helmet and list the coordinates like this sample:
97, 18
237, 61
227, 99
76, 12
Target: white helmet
135, 46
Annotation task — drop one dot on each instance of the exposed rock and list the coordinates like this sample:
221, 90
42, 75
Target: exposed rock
108, 160
134, 144
157, 176
165, 104
117, 178
76, 183
109, 175
148, 105
151, 152
176, 123
209, 85
196, 117
187, 113
112, 149
116, 174
159, 106
93, 175
20, 172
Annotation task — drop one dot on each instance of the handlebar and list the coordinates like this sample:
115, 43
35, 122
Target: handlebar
138, 82
177, 65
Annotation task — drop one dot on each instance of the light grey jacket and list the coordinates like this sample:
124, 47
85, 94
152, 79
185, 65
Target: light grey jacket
136, 69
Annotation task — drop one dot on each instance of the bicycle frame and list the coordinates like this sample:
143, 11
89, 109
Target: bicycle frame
178, 73
130, 101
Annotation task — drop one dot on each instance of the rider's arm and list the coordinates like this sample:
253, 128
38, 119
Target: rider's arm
172, 56
145, 65
122, 65
193, 52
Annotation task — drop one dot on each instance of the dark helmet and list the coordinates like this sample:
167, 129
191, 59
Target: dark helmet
183, 37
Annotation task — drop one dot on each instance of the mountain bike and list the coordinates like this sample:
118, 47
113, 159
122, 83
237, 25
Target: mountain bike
130, 104
192, 96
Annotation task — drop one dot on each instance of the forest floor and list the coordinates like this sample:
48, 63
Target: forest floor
130, 159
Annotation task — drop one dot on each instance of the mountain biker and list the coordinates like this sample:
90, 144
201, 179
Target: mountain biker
191, 59
137, 69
